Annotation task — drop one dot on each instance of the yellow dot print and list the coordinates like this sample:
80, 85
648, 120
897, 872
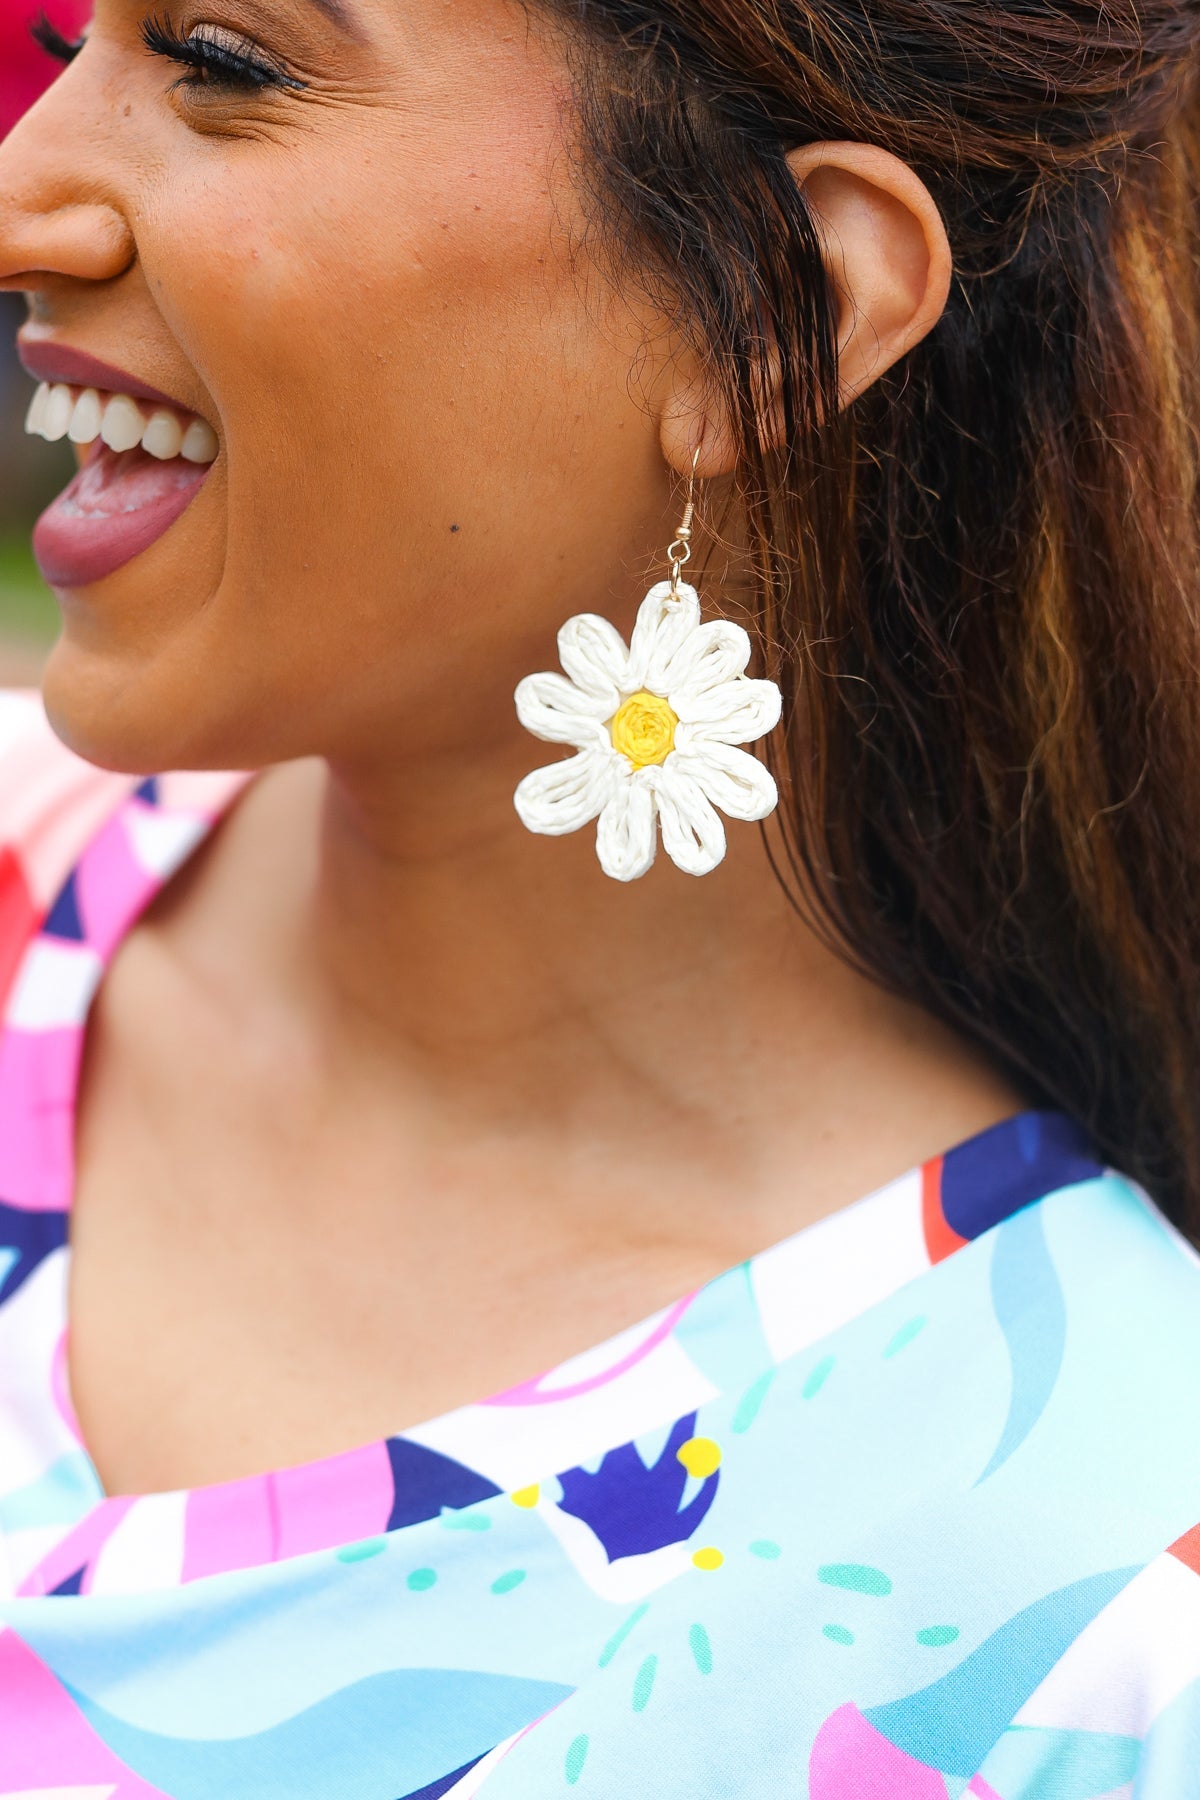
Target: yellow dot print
708, 1558
700, 1456
527, 1496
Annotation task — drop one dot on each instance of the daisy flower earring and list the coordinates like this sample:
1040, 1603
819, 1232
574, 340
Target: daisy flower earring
656, 727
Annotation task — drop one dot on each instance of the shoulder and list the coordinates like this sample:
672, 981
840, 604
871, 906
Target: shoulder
1111, 1475
1123, 1703
52, 804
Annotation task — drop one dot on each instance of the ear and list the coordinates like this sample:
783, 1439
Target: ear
888, 259
886, 252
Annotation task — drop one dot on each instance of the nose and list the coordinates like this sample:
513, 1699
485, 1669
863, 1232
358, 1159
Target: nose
56, 220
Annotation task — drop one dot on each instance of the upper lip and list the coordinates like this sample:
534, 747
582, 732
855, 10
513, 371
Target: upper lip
48, 361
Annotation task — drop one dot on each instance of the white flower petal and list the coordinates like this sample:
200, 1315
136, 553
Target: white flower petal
663, 623
712, 654
594, 655
555, 709
736, 712
627, 834
734, 780
565, 795
693, 835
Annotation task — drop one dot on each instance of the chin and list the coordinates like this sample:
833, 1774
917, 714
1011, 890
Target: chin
137, 715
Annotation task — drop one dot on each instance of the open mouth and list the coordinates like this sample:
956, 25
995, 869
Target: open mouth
142, 466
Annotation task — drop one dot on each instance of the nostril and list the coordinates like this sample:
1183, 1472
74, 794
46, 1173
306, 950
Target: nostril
42, 245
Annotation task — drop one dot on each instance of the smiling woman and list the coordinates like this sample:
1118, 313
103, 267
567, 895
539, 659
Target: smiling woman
389, 338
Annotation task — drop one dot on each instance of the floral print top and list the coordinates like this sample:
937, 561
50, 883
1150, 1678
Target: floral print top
904, 1508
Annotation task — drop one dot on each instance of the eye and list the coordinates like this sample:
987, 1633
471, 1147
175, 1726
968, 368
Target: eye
216, 58
53, 42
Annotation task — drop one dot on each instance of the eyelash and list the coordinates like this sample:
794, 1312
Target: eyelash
52, 41
210, 62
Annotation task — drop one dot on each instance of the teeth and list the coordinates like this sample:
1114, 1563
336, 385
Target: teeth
85, 420
123, 423
35, 417
199, 442
57, 411
163, 436
60, 404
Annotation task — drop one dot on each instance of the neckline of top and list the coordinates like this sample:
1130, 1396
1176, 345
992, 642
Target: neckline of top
885, 1238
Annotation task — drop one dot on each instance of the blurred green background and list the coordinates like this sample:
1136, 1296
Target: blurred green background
31, 473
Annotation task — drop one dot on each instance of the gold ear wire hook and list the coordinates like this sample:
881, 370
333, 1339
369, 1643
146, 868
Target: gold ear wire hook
679, 550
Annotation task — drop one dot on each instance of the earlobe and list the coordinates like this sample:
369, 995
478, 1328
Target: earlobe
886, 252
694, 430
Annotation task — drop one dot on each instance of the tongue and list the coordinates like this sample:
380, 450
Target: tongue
116, 507
110, 484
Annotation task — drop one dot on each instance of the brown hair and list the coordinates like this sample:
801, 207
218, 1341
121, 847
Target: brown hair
978, 586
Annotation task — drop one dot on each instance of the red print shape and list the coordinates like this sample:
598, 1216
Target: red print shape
941, 1239
19, 918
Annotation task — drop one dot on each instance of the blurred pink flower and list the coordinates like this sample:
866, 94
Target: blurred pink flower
24, 68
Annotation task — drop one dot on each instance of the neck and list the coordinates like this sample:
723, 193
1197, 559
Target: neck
504, 982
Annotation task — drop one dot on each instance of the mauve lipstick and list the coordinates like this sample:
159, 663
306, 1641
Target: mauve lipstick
49, 361
119, 503
116, 507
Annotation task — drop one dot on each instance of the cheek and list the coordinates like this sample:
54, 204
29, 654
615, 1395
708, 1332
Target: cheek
395, 339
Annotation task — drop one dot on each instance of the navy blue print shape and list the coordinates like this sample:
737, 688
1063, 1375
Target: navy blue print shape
63, 920
1015, 1163
632, 1508
71, 1584
424, 1481
34, 1236
436, 1789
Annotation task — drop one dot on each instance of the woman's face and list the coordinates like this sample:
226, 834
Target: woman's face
352, 244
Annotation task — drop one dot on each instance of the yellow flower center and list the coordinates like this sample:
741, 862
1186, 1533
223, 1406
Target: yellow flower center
643, 729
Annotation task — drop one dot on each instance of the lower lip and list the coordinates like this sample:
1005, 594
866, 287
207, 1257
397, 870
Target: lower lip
116, 507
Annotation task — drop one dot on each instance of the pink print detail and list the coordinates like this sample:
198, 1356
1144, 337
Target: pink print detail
852, 1761
112, 887
45, 1742
38, 1073
58, 804
535, 1393
78, 1550
982, 1789
323, 1504
314, 1506
230, 1526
